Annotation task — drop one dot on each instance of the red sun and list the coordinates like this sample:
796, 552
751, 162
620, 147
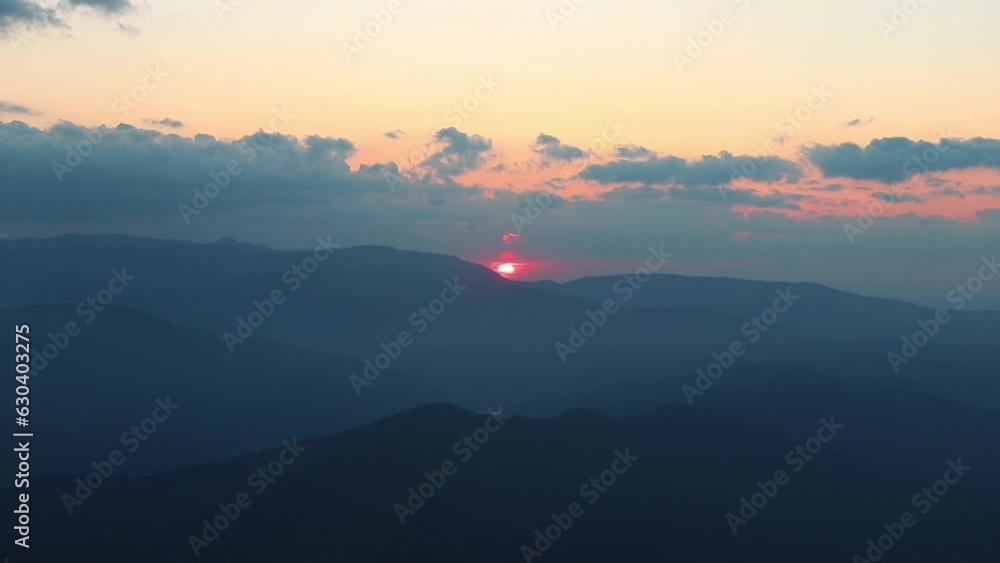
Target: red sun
506, 269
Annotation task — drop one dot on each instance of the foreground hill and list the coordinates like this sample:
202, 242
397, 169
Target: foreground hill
687, 468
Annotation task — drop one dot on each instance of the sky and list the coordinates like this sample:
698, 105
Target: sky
852, 143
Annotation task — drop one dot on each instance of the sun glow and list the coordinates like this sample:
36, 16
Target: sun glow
506, 269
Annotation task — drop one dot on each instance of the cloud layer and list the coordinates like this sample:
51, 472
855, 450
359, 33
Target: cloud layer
894, 159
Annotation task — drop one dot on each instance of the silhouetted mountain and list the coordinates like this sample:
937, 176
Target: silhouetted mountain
107, 378
495, 344
830, 313
681, 470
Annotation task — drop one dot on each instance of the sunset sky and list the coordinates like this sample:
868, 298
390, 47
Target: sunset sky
431, 133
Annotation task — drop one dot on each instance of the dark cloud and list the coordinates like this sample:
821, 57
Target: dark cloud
145, 173
106, 6
950, 192
633, 151
166, 122
323, 147
634, 194
890, 197
381, 169
858, 122
894, 159
26, 12
394, 134
551, 147
14, 12
729, 196
458, 153
7, 107
709, 170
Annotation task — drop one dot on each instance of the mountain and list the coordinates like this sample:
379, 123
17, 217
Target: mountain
830, 314
106, 377
498, 340
672, 478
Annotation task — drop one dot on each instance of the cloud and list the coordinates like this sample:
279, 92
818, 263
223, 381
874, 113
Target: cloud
8, 107
889, 197
750, 198
709, 170
166, 122
458, 153
379, 169
145, 173
633, 151
323, 147
894, 159
14, 12
551, 147
858, 122
634, 194
394, 134
950, 192
106, 6
26, 12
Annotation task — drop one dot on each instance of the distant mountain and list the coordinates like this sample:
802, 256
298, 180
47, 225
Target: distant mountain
677, 473
110, 375
497, 342
826, 312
